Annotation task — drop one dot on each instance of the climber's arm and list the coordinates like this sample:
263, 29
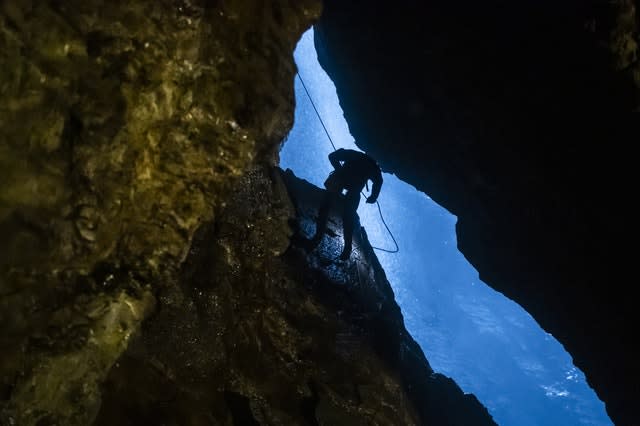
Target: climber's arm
375, 190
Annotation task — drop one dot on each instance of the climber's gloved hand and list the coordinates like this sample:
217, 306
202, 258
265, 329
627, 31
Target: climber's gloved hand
371, 200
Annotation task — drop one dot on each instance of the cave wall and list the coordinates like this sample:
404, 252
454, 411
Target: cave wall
146, 273
259, 331
122, 126
519, 118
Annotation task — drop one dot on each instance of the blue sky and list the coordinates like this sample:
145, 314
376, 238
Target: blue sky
487, 343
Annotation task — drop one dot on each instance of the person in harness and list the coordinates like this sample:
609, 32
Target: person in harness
352, 172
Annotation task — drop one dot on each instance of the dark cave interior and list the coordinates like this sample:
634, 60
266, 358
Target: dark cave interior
513, 117
145, 268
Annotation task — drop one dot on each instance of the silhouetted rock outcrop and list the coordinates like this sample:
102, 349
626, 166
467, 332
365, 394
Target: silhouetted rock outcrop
371, 320
516, 117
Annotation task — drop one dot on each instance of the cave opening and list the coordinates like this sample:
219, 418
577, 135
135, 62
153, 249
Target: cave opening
487, 343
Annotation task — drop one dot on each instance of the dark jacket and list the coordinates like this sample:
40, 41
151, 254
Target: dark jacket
354, 169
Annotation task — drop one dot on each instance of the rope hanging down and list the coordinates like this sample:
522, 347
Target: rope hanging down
397, 249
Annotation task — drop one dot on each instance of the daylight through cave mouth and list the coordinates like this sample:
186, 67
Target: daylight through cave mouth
486, 342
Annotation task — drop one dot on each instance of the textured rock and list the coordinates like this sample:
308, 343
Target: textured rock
122, 126
64, 387
374, 320
516, 117
263, 333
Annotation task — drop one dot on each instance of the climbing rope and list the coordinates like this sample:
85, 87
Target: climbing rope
397, 249
317, 113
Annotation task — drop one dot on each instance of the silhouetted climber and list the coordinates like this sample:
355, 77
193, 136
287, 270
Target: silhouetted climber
353, 170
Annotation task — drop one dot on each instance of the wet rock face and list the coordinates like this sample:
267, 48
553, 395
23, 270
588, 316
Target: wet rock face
514, 117
261, 332
359, 292
122, 126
